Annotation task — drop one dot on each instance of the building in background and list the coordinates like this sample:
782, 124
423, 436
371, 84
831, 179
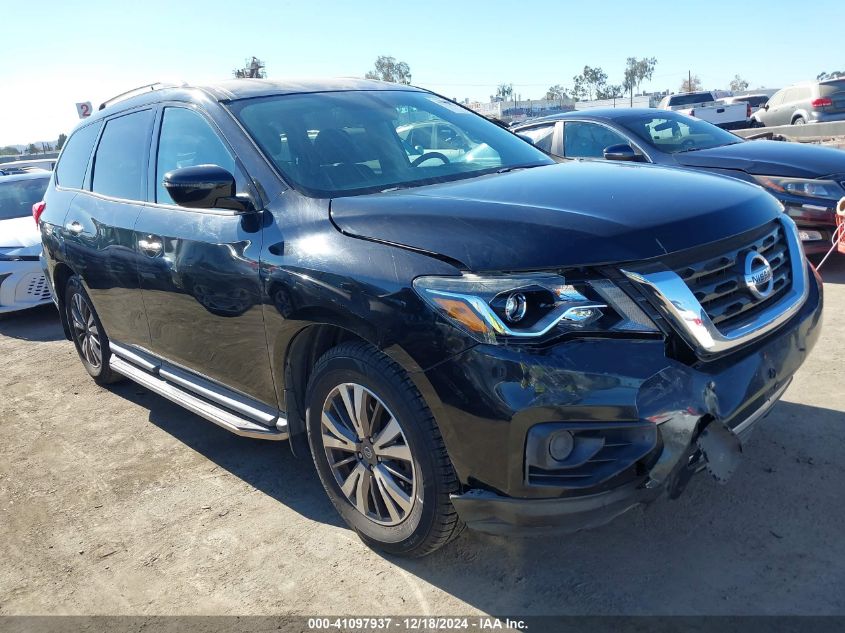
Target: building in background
521, 110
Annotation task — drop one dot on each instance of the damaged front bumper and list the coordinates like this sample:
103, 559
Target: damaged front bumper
698, 414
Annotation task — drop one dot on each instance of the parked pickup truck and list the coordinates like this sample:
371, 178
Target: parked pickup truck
704, 106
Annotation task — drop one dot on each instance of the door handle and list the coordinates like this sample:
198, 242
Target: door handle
150, 245
74, 227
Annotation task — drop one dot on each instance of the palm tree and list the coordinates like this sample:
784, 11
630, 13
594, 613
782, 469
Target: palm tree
504, 91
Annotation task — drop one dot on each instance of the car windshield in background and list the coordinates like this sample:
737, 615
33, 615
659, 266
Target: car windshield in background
18, 196
343, 143
673, 133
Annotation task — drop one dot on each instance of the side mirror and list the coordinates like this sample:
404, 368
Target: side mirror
765, 106
205, 187
622, 152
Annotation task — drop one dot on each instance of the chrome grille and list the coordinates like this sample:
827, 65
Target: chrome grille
718, 282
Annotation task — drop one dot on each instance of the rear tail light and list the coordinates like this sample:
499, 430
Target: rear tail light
37, 210
824, 102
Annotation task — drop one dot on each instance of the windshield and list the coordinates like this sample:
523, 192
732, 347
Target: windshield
333, 144
18, 196
673, 133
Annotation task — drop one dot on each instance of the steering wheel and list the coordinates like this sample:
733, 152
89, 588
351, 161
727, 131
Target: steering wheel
688, 143
421, 159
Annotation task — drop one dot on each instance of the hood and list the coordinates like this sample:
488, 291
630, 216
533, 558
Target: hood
571, 214
770, 158
19, 232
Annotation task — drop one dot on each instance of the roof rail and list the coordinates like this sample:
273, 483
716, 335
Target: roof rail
158, 85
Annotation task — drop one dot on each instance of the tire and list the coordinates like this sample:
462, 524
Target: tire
88, 334
380, 460
799, 120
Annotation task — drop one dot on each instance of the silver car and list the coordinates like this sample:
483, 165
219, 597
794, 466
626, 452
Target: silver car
22, 283
810, 102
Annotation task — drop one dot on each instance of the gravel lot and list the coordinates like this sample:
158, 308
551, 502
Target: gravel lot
115, 501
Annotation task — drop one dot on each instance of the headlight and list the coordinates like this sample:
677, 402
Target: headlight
825, 189
529, 307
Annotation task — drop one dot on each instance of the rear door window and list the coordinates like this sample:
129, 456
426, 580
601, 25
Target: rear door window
588, 140
794, 94
119, 164
186, 140
70, 171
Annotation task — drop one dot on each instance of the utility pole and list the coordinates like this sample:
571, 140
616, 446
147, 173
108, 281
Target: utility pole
689, 81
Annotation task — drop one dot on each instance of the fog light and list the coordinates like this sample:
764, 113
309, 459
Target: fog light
515, 307
561, 445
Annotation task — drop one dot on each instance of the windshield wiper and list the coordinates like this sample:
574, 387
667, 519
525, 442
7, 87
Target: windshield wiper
694, 149
505, 170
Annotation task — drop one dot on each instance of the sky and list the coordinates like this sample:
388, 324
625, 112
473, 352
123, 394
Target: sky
56, 53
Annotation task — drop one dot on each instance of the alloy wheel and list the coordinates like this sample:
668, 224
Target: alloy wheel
85, 330
368, 454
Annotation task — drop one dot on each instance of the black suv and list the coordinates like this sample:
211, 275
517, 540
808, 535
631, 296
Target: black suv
465, 334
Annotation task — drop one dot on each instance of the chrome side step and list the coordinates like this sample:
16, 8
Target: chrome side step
229, 420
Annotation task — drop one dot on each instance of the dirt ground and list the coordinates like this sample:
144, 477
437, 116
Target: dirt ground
114, 501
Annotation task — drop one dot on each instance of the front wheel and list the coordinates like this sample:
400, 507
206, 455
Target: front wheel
379, 453
799, 120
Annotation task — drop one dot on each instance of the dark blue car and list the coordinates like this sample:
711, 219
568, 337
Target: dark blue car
807, 179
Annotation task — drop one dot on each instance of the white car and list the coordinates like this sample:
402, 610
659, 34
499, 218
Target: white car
24, 166
22, 283
705, 106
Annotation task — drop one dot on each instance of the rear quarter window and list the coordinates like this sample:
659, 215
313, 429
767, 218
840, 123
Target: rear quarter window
70, 172
119, 164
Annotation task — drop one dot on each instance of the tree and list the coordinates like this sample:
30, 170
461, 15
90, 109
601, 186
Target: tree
645, 69
738, 84
613, 91
836, 74
636, 71
31, 149
61, 142
692, 84
589, 82
504, 91
555, 93
388, 69
629, 80
9, 150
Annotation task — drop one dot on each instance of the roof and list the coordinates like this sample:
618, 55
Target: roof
592, 113
248, 88
233, 89
31, 175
